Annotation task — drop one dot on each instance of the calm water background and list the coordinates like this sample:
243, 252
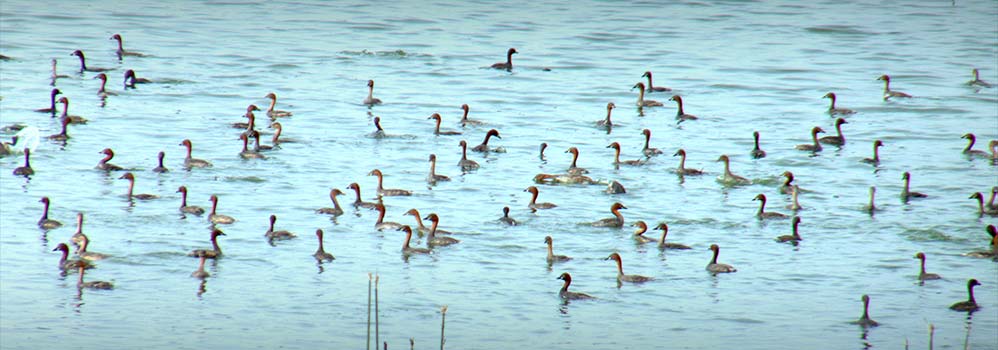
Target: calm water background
740, 65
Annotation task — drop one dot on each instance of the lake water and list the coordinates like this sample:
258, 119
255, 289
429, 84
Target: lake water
739, 65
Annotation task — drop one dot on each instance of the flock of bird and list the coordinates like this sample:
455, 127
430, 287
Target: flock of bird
438, 239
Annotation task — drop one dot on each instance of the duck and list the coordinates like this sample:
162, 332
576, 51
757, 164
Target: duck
616, 221
970, 145
190, 162
977, 79
44, 222
200, 272
814, 146
215, 251
387, 191
378, 133
131, 185
100, 285
907, 194
381, 224
77, 237
464, 118
275, 113
794, 205
437, 131
465, 163
432, 239
335, 210
130, 79
121, 50
662, 244
25, 170
55, 75
216, 218
621, 277
51, 108
838, 139
993, 251
791, 238
62, 135
419, 222
370, 100
981, 209
616, 156
246, 153
647, 150
484, 146
653, 88
433, 177
278, 235
88, 255
506, 219
832, 110
680, 115
969, 305
533, 200
552, 179
757, 152
508, 65
358, 203
104, 165
788, 185
250, 124
865, 321
729, 178
922, 275
160, 168
73, 119
888, 93
682, 169
102, 91
320, 254
67, 264
409, 250
642, 102
606, 123
573, 169
83, 63
615, 187
564, 294
716, 268
551, 257
277, 139
188, 209
762, 213
876, 154
257, 147
639, 234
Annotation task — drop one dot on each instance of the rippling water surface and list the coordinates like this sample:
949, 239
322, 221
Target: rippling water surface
739, 65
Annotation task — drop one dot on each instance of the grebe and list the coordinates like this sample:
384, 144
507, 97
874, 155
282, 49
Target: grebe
130, 79
55, 75
484, 146
408, 250
639, 234
131, 186
832, 110
970, 304
335, 210
976, 81
794, 205
728, 178
906, 193
762, 213
552, 258
188, 209
647, 150
993, 251
506, 219
436, 131
381, 224
872, 206
888, 93
838, 139
104, 165
84, 254
379, 132
432, 239
77, 237
642, 102
606, 123
981, 209
994, 194
651, 87
970, 145
215, 250
791, 238
814, 146
922, 275
69, 264
277, 139
62, 135
257, 147
25, 170
566, 295
865, 320
275, 113
387, 191
508, 65
51, 109
464, 118
279, 235
250, 124
680, 115
83, 63
682, 169
121, 50
615, 187
621, 277
533, 200
716, 268
73, 119
573, 169
160, 168
190, 162
433, 177
320, 254
616, 221
358, 203
616, 156
465, 163
419, 221
876, 154
662, 244
91, 284
44, 222
215, 218
788, 185
370, 100
246, 153
757, 152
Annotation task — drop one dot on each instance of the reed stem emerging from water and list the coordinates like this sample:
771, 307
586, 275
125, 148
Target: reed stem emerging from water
377, 332
369, 278
443, 319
